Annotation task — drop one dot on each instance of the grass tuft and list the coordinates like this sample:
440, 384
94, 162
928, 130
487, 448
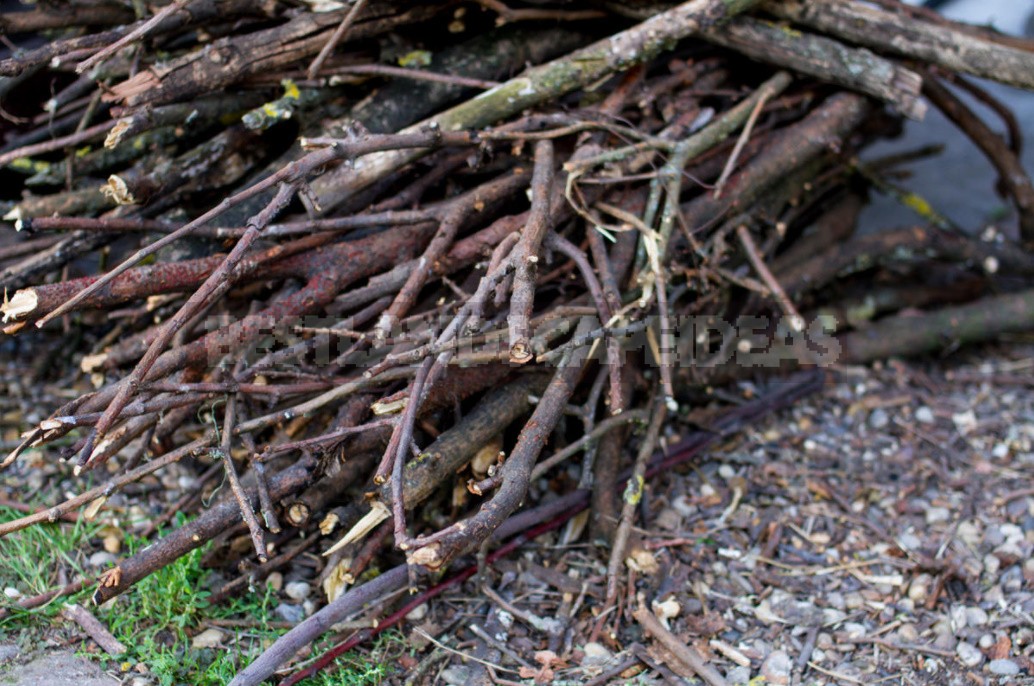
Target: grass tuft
156, 618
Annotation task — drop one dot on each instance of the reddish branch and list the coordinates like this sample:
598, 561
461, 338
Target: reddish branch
290, 177
195, 534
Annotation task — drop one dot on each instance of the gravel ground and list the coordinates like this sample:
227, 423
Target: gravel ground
878, 532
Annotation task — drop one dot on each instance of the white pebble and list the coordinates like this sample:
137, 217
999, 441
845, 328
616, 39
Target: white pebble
964, 421
924, 415
909, 541
777, 667
969, 533
855, 630
968, 654
878, 419
1004, 667
297, 590
738, 675
919, 589
102, 559
976, 616
936, 515
209, 638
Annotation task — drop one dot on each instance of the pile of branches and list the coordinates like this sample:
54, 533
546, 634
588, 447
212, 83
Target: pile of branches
395, 250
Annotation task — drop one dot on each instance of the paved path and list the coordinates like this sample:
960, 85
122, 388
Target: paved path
61, 668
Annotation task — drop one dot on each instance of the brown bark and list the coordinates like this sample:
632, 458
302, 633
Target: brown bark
916, 38
195, 534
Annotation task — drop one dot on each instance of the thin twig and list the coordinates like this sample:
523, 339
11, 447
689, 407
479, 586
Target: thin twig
133, 36
633, 494
335, 38
415, 74
247, 512
687, 655
741, 141
758, 262
94, 629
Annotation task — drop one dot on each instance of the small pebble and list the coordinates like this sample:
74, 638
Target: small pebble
668, 519
1004, 667
596, 655
831, 616
112, 544
907, 633
944, 642
969, 533
924, 415
853, 601
684, 506
1017, 509
976, 617
964, 422
290, 613
878, 419
417, 613
777, 667
9, 652
910, 541
456, 675
738, 675
102, 559
994, 536
297, 590
936, 515
1012, 579
855, 630
919, 589
968, 654
958, 618
1012, 533
209, 638
986, 641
